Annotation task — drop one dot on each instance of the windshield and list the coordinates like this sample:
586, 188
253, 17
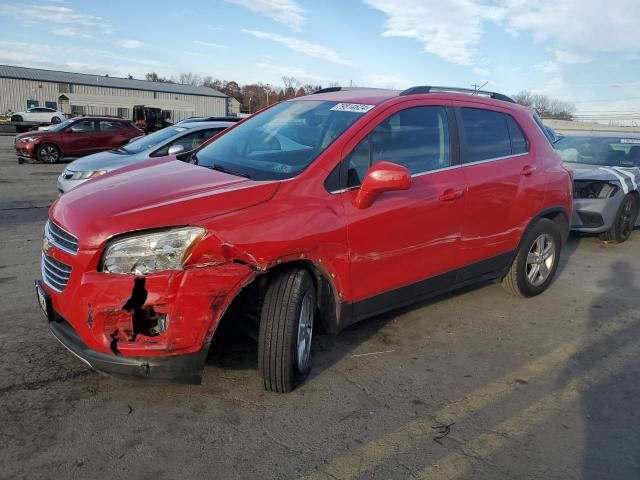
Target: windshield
153, 139
605, 151
282, 141
61, 126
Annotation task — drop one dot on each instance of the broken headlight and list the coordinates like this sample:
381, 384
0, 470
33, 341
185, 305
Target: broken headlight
150, 252
594, 189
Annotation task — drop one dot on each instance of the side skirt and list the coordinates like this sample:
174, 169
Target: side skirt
484, 270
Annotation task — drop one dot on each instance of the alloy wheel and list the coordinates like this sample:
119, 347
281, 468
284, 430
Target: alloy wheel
49, 154
305, 332
540, 259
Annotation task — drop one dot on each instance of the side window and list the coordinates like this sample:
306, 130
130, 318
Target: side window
417, 138
106, 126
519, 143
486, 133
82, 126
189, 141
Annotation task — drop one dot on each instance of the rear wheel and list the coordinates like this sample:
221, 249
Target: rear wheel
55, 120
286, 329
624, 222
536, 261
48, 153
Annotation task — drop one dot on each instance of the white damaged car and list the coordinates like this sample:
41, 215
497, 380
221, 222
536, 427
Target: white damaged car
606, 170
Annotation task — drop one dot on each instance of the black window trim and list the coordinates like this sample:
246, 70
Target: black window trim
463, 139
454, 148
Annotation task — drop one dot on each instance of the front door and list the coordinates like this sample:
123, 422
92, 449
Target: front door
406, 243
79, 138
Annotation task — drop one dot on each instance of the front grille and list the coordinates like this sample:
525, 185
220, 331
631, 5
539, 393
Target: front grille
61, 238
54, 273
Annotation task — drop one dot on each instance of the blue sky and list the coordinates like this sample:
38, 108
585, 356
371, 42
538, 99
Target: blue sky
571, 49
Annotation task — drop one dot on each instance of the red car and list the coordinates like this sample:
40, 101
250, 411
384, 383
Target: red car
316, 212
74, 138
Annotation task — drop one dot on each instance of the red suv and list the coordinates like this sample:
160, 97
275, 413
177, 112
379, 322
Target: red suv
316, 212
74, 138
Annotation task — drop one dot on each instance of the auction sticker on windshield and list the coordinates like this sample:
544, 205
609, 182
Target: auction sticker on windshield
630, 140
352, 107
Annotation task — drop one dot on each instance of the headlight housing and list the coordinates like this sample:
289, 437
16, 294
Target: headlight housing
151, 252
594, 189
87, 174
26, 139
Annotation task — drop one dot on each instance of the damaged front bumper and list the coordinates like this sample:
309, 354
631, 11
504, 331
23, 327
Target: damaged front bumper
157, 326
178, 368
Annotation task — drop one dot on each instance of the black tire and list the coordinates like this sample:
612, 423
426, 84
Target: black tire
16, 118
55, 120
624, 222
278, 358
518, 279
48, 153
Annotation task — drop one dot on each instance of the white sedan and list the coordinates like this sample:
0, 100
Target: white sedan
38, 114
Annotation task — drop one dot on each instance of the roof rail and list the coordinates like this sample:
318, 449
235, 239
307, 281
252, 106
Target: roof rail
468, 91
344, 89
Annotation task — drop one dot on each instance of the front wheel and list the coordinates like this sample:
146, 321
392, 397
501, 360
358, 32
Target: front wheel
16, 118
286, 328
48, 153
536, 261
624, 222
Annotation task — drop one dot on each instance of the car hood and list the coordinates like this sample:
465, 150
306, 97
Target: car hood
108, 161
583, 171
154, 194
35, 133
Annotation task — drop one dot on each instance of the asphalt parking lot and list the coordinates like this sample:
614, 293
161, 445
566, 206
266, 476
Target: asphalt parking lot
476, 385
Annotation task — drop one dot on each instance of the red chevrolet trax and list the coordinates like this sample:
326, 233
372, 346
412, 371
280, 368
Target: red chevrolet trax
315, 213
74, 138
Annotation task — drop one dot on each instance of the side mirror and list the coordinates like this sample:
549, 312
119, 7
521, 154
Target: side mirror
175, 149
382, 177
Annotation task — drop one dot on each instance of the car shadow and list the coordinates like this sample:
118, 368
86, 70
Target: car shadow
609, 407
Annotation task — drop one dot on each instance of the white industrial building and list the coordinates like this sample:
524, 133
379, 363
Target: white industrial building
84, 94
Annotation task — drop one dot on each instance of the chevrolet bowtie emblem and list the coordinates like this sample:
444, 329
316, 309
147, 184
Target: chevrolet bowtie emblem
46, 246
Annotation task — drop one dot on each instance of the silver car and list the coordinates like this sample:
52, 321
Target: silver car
606, 170
168, 141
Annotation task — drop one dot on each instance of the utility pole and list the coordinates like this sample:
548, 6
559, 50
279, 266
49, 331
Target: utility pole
478, 87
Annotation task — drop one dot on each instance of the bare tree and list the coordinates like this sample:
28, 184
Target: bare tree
546, 107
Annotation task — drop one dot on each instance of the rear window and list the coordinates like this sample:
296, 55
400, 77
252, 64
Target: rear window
486, 133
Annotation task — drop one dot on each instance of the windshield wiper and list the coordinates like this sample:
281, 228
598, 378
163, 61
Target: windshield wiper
220, 168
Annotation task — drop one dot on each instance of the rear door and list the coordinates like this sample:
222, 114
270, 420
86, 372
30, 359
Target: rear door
110, 134
406, 237
498, 166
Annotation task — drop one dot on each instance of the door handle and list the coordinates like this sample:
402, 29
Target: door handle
527, 170
451, 194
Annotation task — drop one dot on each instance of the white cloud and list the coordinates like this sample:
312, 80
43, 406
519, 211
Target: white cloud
209, 44
481, 72
55, 14
129, 43
563, 56
302, 46
573, 29
548, 67
69, 32
298, 73
287, 12
576, 28
388, 81
449, 29
77, 59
